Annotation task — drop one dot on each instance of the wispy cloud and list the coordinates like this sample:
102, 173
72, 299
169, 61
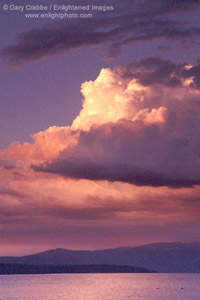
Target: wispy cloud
127, 24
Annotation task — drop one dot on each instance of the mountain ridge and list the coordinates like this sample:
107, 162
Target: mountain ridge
162, 257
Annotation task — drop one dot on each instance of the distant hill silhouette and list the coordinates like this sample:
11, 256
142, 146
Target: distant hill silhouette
161, 257
6, 269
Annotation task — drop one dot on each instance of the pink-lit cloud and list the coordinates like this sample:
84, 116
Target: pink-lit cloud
137, 126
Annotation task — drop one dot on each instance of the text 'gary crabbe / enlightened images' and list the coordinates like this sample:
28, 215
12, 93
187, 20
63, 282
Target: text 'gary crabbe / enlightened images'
56, 7
55, 11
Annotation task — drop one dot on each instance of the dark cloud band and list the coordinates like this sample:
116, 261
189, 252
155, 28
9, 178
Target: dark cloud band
128, 24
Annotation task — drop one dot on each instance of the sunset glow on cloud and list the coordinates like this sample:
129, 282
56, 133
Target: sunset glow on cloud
133, 123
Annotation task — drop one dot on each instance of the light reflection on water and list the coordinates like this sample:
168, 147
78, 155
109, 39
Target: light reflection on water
100, 287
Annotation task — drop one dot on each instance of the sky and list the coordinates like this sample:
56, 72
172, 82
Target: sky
99, 124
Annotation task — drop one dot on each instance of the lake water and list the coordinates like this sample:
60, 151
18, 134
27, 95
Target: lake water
100, 287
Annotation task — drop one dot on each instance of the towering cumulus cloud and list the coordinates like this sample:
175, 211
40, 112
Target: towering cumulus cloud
130, 159
139, 124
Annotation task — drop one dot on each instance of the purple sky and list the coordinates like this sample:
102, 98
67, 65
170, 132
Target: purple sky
44, 62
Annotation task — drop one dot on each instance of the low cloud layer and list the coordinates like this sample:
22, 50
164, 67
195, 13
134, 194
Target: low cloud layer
84, 214
127, 24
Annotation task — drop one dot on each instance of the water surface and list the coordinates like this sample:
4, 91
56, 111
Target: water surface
100, 287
